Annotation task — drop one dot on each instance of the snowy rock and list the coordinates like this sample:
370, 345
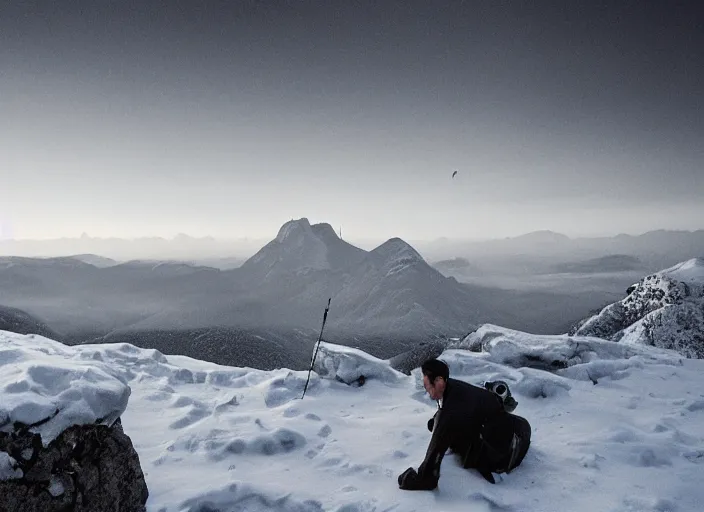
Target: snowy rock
9, 468
554, 353
44, 390
62, 446
664, 310
347, 365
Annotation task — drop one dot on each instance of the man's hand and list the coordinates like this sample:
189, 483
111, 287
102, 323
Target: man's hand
406, 478
410, 481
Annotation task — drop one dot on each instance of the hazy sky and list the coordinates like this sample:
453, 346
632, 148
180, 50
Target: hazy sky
228, 118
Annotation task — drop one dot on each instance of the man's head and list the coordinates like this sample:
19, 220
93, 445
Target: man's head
435, 375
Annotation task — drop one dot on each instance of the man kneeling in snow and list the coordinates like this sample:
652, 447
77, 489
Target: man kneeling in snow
474, 423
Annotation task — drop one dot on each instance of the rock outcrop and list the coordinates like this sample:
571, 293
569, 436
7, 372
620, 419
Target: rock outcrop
62, 447
665, 310
408, 361
352, 366
88, 468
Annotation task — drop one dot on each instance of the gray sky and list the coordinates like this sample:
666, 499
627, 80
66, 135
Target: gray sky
129, 118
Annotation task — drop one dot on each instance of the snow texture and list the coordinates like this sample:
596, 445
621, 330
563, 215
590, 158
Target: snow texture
555, 353
49, 387
665, 310
212, 438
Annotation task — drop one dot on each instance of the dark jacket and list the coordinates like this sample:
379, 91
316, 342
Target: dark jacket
466, 412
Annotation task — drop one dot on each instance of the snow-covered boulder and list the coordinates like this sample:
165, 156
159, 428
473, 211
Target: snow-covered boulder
346, 364
577, 357
664, 310
62, 446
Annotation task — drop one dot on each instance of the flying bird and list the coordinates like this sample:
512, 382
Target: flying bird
454, 173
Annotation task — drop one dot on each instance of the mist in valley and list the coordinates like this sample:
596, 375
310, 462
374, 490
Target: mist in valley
264, 308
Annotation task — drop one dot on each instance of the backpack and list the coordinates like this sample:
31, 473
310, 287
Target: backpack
500, 388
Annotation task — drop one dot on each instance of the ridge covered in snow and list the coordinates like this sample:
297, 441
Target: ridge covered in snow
690, 272
211, 437
665, 309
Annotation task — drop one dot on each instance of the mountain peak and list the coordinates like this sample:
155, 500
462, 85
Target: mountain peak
324, 231
545, 236
294, 229
300, 245
397, 249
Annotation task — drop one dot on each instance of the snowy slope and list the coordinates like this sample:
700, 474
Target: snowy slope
665, 309
395, 290
218, 438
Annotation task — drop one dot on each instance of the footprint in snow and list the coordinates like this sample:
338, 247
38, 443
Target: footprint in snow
310, 454
695, 406
292, 412
193, 416
696, 457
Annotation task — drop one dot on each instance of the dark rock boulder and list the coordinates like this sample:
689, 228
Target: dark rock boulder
87, 468
407, 361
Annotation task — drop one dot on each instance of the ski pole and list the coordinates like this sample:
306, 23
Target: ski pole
312, 362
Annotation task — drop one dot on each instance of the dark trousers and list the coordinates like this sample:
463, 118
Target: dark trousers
499, 448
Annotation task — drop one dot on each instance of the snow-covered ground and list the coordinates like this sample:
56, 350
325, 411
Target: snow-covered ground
232, 439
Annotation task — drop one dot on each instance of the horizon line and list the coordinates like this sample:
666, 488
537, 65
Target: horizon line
173, 238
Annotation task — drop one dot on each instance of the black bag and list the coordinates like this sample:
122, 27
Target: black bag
500, 388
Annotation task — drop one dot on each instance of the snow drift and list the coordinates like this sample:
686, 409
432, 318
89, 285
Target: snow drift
46, 387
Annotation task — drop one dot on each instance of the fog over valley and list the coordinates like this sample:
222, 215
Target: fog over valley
263, 307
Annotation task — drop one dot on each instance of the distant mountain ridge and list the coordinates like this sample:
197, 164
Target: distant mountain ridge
388, 297
657, 248
390, 289
21, 322
609, 263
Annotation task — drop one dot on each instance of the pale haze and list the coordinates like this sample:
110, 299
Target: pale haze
122, 119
